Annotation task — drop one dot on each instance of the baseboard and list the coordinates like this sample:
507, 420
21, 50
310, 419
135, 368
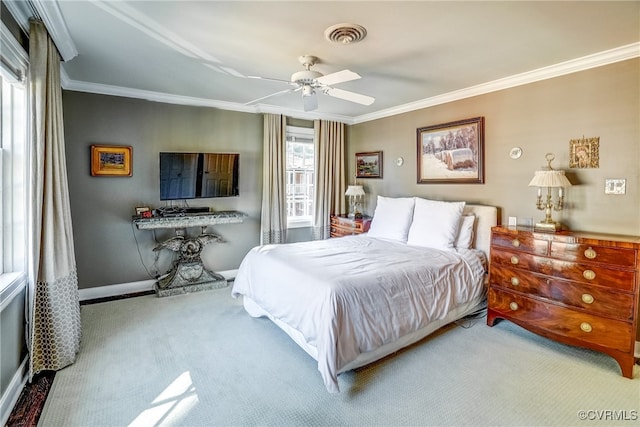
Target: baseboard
132, 287
12, 394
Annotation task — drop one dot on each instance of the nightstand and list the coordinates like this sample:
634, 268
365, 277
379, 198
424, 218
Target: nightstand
342, 225
577, 288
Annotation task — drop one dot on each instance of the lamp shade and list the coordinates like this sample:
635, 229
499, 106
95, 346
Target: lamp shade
354, 190
550, 178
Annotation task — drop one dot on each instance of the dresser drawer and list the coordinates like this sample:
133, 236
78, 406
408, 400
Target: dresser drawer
345, 226
580, 272
561, 321
520, 242
592, 253
593, 299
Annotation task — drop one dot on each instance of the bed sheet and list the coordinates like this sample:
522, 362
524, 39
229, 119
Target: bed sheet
354, 294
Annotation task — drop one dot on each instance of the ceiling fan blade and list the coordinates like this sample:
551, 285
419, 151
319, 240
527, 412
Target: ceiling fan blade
310, 102
270, 79
349, 96
269, 96
338, 77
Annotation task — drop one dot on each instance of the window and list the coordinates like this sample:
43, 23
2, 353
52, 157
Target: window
13, 159
300, 176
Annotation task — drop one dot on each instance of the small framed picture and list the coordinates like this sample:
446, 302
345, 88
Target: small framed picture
141, 210
111, 160
369, 165
584, 153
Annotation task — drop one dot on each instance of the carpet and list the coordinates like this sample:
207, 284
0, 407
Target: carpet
199, 360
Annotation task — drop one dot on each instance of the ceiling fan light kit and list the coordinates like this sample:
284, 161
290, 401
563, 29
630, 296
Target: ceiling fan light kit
307, 81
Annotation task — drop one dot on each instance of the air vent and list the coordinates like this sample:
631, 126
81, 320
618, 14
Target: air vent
345, 33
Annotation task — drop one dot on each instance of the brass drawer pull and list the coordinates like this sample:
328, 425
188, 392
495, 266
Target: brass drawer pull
587, 298
513, 306
515, 243
590, 253
514, 260
515, 281
586, 327
589, 274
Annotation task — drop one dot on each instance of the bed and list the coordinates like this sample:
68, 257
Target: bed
352, 300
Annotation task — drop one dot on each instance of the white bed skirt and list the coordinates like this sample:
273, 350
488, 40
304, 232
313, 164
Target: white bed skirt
363, 359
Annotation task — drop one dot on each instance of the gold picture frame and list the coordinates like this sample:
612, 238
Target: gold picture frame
111, 160
584, 153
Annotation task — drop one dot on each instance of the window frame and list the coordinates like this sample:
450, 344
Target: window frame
307, 135
14, 62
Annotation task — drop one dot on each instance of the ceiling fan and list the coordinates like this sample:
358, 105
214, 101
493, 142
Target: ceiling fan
310, 82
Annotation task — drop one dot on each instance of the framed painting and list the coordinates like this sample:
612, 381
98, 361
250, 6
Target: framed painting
111, 160
369, 165
584, 153
451, 153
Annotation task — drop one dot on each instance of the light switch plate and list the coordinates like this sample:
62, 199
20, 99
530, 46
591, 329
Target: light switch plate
513, 222
615, 186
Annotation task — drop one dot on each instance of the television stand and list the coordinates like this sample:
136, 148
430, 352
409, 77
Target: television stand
188, 273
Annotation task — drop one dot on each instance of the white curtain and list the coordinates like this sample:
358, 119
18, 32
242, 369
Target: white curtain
273, 225
330, 175
53, 315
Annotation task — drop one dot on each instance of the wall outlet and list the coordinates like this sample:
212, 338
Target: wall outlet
526, 222
513, 222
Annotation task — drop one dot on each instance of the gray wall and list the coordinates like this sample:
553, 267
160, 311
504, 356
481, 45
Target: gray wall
541, 117
13, 349
109, 250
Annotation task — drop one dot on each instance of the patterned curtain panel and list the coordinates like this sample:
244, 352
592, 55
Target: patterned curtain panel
273, 225
53, 302
330, 175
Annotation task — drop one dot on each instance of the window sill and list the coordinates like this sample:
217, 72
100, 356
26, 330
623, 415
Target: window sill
11, 284
300, 223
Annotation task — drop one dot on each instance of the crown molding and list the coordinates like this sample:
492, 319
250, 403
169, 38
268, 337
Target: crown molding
49, 12
125, 92
580, 64
607, 57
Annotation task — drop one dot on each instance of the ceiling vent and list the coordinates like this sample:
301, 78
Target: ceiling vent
345, 33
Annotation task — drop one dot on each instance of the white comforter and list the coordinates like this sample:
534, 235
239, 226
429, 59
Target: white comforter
351, 295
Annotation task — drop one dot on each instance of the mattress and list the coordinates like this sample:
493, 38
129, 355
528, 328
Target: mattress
347, 301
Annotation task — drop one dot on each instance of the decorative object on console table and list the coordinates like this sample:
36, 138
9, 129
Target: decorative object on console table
355, 194
342, 225
549, 178
577, 288
188, 273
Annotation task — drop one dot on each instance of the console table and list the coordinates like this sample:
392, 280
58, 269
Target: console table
188, 274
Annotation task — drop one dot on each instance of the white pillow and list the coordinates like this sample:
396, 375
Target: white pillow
392, 218
435, 223
465, 232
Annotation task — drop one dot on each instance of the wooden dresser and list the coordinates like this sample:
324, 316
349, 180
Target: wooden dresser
341, 225
574, 287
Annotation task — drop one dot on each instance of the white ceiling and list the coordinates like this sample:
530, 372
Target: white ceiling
415, 54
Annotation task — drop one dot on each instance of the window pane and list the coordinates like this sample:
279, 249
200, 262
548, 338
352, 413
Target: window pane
12, 176
300, 174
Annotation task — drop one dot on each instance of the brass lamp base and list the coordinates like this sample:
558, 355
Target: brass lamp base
548, 227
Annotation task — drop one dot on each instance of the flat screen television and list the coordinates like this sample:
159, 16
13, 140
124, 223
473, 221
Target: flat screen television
198, 175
